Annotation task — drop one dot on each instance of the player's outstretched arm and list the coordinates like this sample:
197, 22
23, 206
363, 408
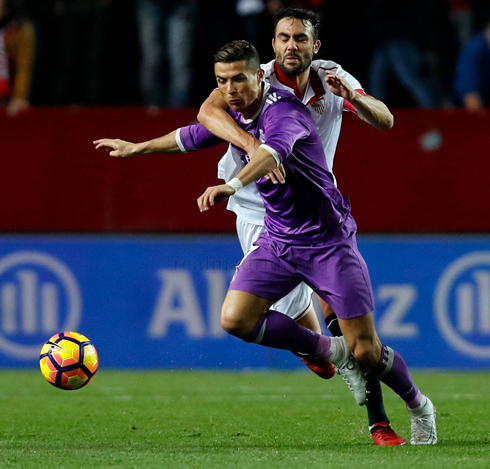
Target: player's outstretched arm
214, 117
122, 149
369, 109
261, 164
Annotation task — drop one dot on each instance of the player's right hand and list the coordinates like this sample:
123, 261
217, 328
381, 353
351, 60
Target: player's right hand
116, 147
214, 194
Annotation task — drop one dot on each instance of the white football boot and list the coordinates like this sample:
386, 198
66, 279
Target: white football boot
354, 378
423, 423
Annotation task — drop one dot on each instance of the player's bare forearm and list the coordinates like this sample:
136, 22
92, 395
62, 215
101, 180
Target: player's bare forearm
214, 117
261, 164
373, 111
122, 149
165, 144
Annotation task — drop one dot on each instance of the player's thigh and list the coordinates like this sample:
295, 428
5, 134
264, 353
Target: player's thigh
310, 321
263, 273
296, 303
326, 308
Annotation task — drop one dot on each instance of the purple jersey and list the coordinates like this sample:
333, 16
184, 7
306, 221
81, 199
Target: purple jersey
307, 209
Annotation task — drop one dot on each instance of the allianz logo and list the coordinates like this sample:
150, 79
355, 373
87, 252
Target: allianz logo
462, 304
39, 296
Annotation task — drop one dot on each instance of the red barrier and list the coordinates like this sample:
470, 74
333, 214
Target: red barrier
430, 173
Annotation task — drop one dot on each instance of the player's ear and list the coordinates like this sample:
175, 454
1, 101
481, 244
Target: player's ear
316, 47
260, 75
274, 44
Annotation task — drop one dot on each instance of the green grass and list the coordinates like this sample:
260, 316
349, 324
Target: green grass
230, 420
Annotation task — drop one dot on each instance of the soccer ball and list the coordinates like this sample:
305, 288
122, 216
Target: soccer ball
69, 360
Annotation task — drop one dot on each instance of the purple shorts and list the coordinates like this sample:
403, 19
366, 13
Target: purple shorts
336, 272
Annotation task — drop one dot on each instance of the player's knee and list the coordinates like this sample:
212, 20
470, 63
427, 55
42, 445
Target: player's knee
233, 323
230, 325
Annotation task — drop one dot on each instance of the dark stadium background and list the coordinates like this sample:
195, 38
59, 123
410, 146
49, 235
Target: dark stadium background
420, 189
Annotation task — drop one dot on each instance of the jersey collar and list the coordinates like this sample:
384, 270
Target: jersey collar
314, 88
290, 82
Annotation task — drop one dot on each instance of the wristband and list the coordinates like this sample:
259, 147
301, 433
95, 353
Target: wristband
235, 184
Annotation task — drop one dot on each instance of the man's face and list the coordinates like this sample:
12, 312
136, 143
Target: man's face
294, 46
239, 85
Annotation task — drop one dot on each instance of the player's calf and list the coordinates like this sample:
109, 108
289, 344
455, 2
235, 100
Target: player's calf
367, 353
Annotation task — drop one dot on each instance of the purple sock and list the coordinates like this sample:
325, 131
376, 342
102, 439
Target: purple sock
277, 330
392, 371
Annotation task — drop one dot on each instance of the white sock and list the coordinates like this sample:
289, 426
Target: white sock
338, 351
420, 409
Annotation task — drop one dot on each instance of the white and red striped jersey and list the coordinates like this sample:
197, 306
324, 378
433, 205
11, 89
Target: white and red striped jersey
326, 109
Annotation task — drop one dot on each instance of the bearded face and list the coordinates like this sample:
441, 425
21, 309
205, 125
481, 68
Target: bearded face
294, 46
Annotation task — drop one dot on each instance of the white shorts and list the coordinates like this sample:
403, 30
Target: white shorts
295, 304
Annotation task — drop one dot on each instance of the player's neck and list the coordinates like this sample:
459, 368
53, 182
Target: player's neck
255, 106
302, 83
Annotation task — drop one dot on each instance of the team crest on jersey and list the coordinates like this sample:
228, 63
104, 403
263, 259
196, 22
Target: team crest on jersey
319, 106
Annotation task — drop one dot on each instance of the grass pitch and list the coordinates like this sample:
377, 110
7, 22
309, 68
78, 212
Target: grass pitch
230, 420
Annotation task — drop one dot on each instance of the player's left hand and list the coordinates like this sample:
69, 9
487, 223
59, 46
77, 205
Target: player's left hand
339, 86
278, 176
214, 194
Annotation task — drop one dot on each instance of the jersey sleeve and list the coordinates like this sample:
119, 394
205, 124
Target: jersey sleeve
356, 86
348, 105
354, 83
195, 137
284, 124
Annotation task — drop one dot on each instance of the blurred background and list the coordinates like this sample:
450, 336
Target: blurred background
158, 52
117, 249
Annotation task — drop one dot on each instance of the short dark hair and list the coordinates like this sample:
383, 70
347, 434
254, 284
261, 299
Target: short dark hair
236, 51
307, 17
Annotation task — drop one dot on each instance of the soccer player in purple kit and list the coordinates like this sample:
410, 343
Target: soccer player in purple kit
310, 236
327, 91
